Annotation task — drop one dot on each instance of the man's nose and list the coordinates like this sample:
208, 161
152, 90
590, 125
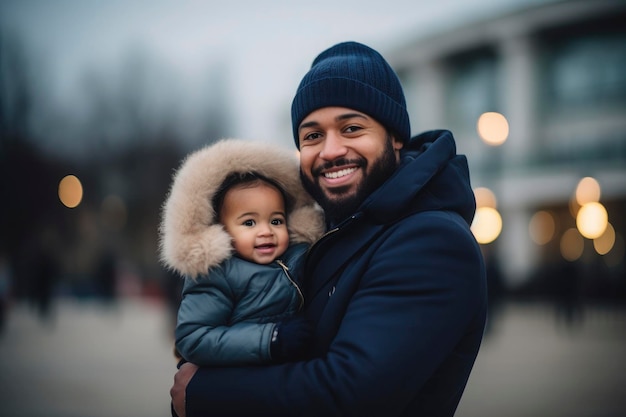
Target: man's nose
334, 146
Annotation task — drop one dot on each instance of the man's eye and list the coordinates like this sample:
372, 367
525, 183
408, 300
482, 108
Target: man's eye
312, 136
352, 129
249, 223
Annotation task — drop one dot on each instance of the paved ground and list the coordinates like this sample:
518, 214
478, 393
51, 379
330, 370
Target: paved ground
532, 365
91, 361
95, 361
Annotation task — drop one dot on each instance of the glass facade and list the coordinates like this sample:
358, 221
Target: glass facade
471, 89
582, 93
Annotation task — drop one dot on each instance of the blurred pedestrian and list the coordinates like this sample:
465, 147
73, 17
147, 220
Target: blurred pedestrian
5, 289
106, 277
42, 269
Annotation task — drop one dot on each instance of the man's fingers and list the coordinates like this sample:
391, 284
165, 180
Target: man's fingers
181, 380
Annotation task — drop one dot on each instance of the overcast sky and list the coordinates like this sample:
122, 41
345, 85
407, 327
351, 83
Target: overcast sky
266, 46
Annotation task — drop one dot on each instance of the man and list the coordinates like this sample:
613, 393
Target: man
395, 288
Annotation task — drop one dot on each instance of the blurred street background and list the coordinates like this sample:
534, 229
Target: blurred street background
101, 101
95, 360
87, 359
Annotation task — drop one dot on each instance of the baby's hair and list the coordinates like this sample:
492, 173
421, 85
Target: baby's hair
246, 179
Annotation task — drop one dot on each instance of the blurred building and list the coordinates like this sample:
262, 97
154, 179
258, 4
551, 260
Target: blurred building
557, 73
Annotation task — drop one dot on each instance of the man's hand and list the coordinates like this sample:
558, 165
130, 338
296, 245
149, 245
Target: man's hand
181, 380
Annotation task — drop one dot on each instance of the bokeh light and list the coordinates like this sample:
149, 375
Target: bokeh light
604, 243
485, 197
587, 191
591, 220
70, 191
542, 227
487, 225
493, 128
573, 206
572, 245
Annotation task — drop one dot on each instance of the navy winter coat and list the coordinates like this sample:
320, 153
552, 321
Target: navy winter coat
398, 295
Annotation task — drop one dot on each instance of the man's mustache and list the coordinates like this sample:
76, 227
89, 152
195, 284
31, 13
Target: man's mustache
337, 163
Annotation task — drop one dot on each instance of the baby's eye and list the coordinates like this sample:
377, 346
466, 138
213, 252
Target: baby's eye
249, 223
277, 222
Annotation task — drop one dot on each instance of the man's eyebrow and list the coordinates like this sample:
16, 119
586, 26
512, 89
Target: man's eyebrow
350, 116
312, 123
345, 116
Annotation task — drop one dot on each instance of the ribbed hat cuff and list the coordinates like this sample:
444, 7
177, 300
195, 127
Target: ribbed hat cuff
350, 93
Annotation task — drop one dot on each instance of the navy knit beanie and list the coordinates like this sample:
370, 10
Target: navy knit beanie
355, 76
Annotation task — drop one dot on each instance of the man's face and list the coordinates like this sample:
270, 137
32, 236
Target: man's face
344, 156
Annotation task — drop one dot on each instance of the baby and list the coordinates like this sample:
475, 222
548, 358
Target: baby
237, 224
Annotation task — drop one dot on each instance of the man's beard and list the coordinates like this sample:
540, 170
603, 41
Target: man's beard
342, 206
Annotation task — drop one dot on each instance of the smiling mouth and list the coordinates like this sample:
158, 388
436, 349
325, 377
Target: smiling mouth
340, 173
266, 246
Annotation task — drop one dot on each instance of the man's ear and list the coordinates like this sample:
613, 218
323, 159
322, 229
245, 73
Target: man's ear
397, 144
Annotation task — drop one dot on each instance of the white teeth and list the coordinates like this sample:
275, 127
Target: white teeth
338, 174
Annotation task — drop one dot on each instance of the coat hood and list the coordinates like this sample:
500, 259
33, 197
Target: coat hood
431, 176
190, 240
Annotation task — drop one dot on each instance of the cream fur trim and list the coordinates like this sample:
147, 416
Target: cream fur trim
190, 242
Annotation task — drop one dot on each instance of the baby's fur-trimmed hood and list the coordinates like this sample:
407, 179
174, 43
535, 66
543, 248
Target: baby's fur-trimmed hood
190, 240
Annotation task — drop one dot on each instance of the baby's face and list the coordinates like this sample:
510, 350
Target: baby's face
256, 220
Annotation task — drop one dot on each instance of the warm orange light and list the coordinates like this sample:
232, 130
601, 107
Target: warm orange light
542, 227
485, 197
70, 191
591, 220
493, 128
487, 225
572, 245
604, 243
573, 206
587, 191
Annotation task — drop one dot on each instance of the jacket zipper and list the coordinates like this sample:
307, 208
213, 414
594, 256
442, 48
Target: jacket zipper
286, 270
334, 230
